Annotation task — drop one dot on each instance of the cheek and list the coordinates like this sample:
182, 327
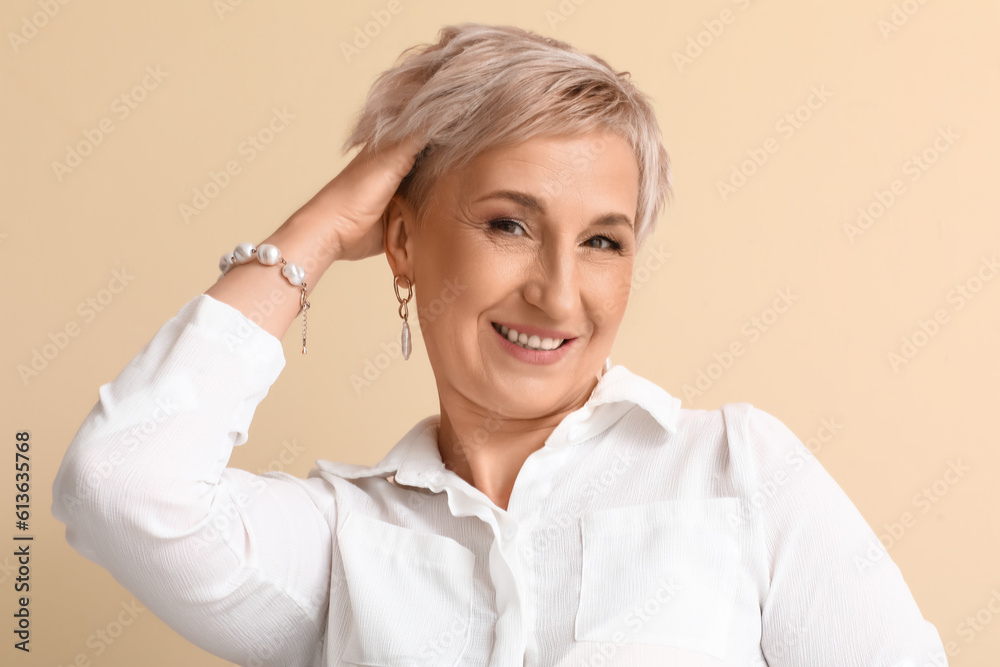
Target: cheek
444, 288
610, 299
450, 307
470, 279
433, 313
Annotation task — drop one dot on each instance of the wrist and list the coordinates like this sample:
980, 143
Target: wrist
242, 288
313, 241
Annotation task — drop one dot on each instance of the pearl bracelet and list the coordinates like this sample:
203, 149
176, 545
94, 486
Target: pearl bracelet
269, 255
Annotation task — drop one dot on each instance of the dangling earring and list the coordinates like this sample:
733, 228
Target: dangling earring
404, 339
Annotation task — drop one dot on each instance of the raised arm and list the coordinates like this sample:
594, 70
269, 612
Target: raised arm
237, 563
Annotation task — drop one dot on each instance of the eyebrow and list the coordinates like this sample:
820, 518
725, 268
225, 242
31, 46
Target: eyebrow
531, 202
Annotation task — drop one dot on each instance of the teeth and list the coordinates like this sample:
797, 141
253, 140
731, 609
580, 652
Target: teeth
528, 342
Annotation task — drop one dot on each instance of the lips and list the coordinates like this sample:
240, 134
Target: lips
532, 342
536, 337
548, 351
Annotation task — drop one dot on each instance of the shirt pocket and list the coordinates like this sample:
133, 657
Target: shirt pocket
411, 594
664, 573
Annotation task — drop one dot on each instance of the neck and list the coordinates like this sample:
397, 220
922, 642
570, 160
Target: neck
487, 448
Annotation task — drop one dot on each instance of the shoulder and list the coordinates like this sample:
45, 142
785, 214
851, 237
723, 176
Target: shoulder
771, 443
314, 487
749, 445
739, 425
749, 429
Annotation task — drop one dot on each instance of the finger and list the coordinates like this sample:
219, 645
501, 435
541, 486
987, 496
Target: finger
397, 160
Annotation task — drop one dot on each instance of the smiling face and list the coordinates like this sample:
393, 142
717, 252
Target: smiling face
536, 238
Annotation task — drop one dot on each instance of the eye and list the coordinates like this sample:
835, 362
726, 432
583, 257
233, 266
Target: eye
610, 244
506, 225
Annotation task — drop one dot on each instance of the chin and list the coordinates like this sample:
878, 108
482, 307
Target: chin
531, 395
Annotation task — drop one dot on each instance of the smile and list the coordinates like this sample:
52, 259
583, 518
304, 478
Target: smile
532, 342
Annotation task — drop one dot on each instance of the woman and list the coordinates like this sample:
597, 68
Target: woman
558, 511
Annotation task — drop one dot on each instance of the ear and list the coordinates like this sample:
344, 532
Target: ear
400, 228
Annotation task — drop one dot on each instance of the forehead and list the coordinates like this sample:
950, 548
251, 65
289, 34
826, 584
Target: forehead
598, 167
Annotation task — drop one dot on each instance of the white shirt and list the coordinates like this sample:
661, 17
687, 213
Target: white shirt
641, 533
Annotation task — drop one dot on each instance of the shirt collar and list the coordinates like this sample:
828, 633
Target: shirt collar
416, 460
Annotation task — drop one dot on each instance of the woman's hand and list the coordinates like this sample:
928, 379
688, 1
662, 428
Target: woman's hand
349, 208
344, 220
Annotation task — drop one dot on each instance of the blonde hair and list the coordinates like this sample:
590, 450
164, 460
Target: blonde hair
482, 86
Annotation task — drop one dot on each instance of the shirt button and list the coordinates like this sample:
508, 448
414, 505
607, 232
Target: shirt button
510, 532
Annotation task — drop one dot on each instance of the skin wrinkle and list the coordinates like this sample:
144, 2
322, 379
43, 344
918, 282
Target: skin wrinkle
546, 275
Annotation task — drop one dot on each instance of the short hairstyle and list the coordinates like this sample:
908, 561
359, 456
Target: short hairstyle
482, 86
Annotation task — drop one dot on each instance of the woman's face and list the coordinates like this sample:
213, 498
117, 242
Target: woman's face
537, 237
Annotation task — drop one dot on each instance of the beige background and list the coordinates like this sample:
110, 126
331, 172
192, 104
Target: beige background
892, 89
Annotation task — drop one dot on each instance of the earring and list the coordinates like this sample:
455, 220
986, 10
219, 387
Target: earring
404, 339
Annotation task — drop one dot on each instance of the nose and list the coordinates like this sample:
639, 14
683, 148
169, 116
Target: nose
552, 283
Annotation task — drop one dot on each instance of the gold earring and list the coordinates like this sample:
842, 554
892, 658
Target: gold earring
404, 339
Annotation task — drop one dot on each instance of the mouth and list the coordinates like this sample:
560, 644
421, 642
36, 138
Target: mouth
530, 342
